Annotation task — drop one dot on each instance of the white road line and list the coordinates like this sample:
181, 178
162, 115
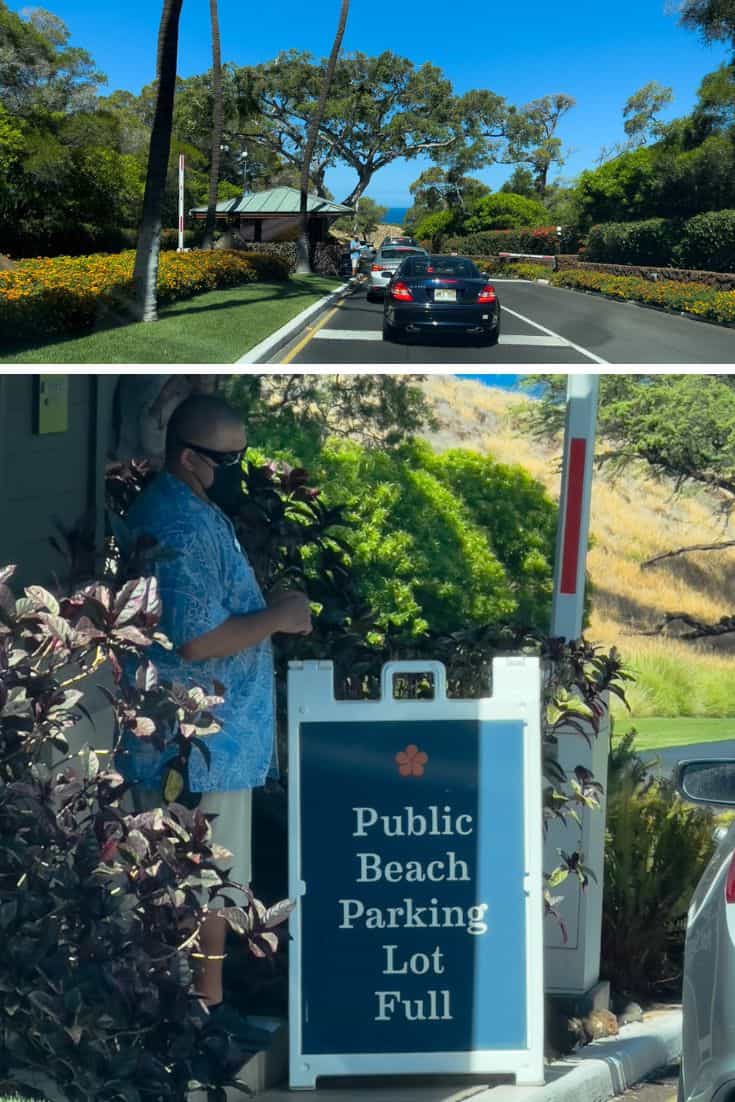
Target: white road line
532, 340
347, 335
551, 333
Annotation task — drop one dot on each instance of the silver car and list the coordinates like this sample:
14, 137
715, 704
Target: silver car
708, 1042
386, 263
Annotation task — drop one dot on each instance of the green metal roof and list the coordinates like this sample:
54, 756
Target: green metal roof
277, 200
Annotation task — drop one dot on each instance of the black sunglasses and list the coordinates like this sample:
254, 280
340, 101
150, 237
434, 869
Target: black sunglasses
222, 459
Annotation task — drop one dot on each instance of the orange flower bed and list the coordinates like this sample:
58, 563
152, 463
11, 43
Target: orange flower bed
65, 294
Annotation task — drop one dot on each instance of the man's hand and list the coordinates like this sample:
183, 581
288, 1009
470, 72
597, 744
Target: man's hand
293, 612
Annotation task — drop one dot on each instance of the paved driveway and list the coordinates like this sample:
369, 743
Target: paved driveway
539, 325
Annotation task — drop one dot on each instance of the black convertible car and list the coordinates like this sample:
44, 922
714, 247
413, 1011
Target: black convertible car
441, 294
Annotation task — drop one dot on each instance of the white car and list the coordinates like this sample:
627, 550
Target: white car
708, 1001
386, 263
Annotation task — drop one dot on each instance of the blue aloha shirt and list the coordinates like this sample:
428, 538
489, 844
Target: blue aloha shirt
206, 581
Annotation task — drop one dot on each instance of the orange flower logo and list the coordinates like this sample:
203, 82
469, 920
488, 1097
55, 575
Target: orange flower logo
411, 761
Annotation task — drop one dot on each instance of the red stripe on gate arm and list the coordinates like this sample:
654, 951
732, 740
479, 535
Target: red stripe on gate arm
573, 519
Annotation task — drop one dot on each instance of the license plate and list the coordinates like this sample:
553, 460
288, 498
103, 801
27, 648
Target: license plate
442, 295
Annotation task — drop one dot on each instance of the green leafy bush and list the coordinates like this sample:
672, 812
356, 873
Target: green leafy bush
698, 299
434, 227
440, 541
707, 242
649, 242
504, 212
656, 850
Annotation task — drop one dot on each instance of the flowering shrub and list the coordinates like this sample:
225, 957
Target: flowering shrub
697, 299
65, 294
542, 241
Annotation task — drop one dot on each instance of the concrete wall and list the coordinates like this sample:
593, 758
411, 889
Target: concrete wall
45, 478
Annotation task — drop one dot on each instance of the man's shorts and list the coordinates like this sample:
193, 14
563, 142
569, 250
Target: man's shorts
232, 829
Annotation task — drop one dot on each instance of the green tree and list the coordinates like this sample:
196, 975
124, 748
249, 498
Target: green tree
520, 182
625, 188
532, 136
714, 19
292, 416
366, 218
39, 70
641, 112
681, 427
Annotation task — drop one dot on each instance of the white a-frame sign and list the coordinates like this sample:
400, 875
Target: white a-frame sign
416, 863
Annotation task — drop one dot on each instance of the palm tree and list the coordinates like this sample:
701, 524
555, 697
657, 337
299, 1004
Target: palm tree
303, 266
145, 272
217, 125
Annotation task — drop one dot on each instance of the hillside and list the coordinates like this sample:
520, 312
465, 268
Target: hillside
633, 518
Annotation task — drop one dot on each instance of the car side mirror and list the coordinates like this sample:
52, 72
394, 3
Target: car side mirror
708, 782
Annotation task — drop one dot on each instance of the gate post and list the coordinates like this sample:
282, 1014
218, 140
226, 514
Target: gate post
572, 970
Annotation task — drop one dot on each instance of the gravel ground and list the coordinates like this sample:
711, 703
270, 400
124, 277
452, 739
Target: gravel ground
661, 1087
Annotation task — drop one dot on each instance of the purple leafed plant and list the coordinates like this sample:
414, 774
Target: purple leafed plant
102, 909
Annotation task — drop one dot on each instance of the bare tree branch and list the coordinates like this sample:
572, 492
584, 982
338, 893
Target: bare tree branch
686, 551
699, 630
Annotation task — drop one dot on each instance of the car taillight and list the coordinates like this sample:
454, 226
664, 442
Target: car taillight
487, 294
376, 268
730, 882
401, 292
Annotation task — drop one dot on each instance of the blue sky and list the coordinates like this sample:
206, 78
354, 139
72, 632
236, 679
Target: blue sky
598, 53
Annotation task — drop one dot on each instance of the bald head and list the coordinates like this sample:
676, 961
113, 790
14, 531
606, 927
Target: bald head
207, 420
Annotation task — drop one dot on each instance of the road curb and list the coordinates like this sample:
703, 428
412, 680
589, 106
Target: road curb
277, 340
605, 1068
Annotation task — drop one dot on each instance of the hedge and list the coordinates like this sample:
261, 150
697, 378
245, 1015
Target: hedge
66, 294
706, 242
648, 242
543, 240
709, 237
696, 299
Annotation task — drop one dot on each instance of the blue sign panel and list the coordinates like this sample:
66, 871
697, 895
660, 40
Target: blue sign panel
414, 910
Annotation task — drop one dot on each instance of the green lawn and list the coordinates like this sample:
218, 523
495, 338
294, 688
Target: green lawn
658, 734
216, 327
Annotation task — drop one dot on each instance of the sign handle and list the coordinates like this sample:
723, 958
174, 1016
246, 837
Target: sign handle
393, 669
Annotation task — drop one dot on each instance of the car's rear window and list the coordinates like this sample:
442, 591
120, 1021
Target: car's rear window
399, 252
438, 266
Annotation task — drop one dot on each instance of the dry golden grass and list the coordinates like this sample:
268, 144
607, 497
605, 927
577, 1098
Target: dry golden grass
633, 518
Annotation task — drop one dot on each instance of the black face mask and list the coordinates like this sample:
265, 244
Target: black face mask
226, 490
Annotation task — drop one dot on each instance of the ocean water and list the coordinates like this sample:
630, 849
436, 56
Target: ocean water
395, 216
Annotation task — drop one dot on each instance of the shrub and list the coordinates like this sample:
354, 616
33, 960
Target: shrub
697, 299
649, 242
544, 240
656, 850
504, 212
67, 294
434, 228
102, 908
707, 242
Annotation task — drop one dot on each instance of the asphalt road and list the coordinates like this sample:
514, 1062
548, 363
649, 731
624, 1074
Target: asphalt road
661, 1087
539, 325
669, 758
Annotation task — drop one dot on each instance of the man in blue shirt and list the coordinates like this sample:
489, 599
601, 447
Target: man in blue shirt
220, 625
